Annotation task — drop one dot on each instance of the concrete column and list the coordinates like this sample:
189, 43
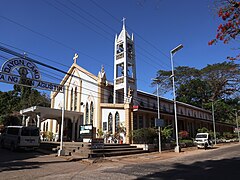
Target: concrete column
99, 110
27, 120
128, 122
24, 120
38, 121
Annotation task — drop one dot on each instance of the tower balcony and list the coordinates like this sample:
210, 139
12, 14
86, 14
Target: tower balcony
119, 56
120, 80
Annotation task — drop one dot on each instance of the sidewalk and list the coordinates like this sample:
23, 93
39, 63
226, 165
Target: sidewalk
155, 156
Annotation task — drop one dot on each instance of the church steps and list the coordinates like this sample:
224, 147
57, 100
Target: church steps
85, 150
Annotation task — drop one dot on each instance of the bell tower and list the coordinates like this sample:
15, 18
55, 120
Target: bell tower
125, 84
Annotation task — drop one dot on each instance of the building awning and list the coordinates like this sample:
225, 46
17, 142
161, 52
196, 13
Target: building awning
50, 113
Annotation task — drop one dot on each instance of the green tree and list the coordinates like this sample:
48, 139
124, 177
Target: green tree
201, 87
10, 120
17, 99
223, 79
195, 92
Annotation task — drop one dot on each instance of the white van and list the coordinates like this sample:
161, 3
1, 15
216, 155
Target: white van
203, 140
20, 137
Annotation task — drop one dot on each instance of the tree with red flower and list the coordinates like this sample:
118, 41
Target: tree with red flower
229, 12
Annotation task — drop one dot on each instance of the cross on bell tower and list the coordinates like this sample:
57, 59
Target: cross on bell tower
124, 67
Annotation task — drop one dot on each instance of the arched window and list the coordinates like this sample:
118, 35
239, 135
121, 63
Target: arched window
110, 122
75, 99
117, 122
46, 127
91, 113
86, 114
71, 103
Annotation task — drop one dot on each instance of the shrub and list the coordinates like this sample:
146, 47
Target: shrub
183, 135
228, 135
166, 133
144, 136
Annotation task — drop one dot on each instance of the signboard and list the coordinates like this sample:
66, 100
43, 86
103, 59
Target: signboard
159, 122
15, 79
86, 132
24, 72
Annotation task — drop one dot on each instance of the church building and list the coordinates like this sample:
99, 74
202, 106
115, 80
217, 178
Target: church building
116, 108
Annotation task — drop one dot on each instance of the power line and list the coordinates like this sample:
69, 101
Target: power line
73, 11
51, 39
45, 65
116, 19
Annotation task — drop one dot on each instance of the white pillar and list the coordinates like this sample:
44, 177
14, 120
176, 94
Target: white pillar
27, 120
24, 120
38, 121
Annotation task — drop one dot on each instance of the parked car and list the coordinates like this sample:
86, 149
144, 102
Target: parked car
203, 140
20, 137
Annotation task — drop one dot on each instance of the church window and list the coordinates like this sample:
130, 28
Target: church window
117, 122
110, 123
71, 103
86, 114
91, 113
75, 99
46, 127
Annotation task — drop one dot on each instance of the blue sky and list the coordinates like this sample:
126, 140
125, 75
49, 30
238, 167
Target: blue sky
52, 31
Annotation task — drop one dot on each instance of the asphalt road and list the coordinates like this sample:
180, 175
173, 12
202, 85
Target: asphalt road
218, 163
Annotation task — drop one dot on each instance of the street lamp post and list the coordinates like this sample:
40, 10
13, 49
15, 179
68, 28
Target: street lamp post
237, 125
214, 129
61, 151
159, 128
172, 52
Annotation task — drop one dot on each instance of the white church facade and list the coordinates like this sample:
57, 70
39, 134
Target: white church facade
117, 108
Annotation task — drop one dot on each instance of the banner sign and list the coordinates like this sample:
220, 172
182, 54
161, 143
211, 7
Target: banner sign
15, 79
10, 65
23, 72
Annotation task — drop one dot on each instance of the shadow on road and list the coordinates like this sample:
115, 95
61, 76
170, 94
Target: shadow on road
19, 160
211, 169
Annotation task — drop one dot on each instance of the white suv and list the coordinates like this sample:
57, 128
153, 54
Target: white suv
203, 140
20, 137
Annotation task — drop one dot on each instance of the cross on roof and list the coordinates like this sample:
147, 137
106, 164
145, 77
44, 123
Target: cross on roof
75, 58
123, 20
